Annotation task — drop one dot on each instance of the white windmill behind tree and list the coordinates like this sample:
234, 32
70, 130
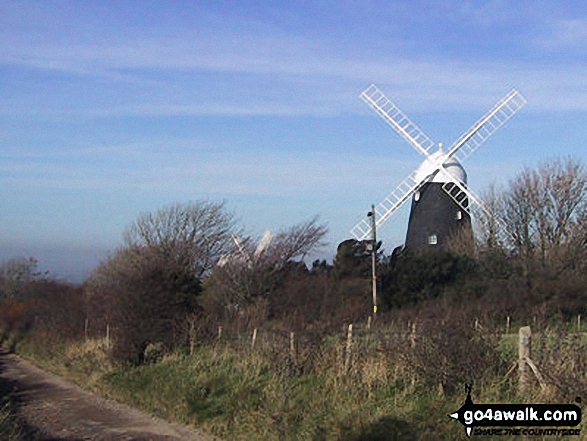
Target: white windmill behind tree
442, 203
244, 254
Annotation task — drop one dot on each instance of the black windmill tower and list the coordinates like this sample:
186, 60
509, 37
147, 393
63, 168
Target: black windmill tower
442, 203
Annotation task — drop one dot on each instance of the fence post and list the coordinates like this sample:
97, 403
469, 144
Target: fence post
507, 325
219, 332
292, 346
579, 323
86, 326
254, 338
349, 342
192, 333
107, 336
524, 354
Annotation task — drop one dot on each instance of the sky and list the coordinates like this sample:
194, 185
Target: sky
109, 109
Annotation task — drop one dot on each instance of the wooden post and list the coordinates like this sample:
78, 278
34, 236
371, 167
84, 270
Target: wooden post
86, 326
507, 325
524, 354
192, 338
219, 332
579, 323
349, 342
292, 346
192, 333
254, 338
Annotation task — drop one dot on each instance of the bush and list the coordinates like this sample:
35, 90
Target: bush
408, 278
154, 352
451, 353
145, 299
58, 308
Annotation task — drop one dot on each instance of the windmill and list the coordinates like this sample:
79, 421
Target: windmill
442, 203
242, 254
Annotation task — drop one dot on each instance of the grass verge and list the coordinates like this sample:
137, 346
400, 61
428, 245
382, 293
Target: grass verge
237, 393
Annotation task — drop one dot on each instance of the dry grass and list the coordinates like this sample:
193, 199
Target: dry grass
388, 390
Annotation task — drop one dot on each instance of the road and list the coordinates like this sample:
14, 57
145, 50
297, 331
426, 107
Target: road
55, 410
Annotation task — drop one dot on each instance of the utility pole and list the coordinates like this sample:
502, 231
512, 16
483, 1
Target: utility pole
371, 214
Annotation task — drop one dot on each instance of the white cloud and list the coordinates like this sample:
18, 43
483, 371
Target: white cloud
282, 74
253, 173
65, 152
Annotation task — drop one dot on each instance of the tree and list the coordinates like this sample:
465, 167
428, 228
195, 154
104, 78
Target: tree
296, 242
543, 208
408, 279
147, 289
321, 267
488, 224
249, 273
143, 297
194, 235
57, 308
16, 277
576, 255
353, 259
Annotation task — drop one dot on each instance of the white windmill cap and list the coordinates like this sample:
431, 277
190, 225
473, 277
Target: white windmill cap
452, 166
455, 169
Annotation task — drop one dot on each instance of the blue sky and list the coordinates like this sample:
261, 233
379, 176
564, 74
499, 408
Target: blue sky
112, 108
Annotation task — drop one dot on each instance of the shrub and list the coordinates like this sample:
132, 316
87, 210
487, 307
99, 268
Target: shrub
450, 353
154, 352
144, 297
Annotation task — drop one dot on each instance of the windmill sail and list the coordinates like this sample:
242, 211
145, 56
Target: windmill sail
387, 206
263, 243
393, 116
487, 220
472, 139
438, 172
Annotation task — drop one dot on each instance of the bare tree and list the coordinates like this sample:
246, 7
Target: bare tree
242, 278
564, 186
195, 235
462, 243
151, 284
574, 250
293, 243
487, 224
520, 203
543, 208
16, 277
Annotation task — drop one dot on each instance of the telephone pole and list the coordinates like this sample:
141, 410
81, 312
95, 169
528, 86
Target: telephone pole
371, 214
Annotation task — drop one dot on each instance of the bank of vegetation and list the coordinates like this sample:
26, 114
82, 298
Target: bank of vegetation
249, 342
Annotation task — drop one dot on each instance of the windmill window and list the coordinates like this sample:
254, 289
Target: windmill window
459, 215
432, 239
417, 196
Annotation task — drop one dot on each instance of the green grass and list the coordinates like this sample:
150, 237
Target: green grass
83, 362
239, 398
238, 394
10, 429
